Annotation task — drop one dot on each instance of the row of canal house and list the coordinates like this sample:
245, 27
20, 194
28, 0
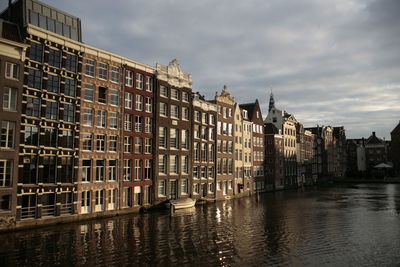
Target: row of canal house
86, 131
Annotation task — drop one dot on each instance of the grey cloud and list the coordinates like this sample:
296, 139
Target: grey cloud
328, 62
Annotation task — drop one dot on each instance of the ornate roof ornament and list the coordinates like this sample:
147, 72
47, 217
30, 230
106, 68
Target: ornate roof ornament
173, 74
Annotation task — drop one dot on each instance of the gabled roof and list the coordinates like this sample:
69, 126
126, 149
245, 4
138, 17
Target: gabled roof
270, 128
396, 130
250, 107
373, 139
10, 31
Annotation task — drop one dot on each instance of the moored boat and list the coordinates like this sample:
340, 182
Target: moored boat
181, 203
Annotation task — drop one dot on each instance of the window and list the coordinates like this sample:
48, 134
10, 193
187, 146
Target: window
90, 67
210, 172
196, 172
67, 139
70, 87
99, 204
127, 144
127, 170
197, 116
102, 118
128, 100
174, 112
185, 139
35, 78
49, 169
196, 189
87, 140
112, 170
204, 150
139, 81
147, 146
31, 135
54, 58
138, 124
86, 170
86, 201
162, 164
148, 104
173, 164
36, 52
212, 119
115, 74
138, 169
148, 125
196, 151
162, 190
128, 122
114, 97
162, 137
71, 62
129, 78
53, 83
139, 103
52, 110
163, 91
185, 97
149, 84
185, 164
173, 138
89, 92
127, 197
138, 145
211, 153
65, 173
29, 173
88, 116
100, 169
69, 113
185, 113
174, 94
100, 142
10, 99
103, 71
102, 95
6, 167
185, 186
114, 120
113, 141
163, 109
50, 137
203, 173
12, 71
147, 169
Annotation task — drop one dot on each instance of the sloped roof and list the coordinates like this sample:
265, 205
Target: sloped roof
11, 31
373, 139
270, 128
396, 130
250, 107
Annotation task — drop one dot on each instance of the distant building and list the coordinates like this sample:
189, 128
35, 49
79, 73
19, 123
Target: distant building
305, 155
395, 148
274, 157
356, 159
376, 151
340, 156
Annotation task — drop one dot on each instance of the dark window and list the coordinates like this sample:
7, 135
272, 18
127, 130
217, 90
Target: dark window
70, 87
67, 139
59, 28
42, 22
52, 110
103, 95
36, 52
89, 92
33, 107
67, 30
35, 78
34, 18
71, 62
29, 173
53, 83
50, 137
31, 135
5, 203
55, 58
51, 24
69, 113
66, 173
49, 169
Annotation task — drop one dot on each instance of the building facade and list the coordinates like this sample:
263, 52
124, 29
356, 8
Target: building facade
274, 157
173, 144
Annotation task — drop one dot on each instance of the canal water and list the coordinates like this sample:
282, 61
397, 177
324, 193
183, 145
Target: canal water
343, 225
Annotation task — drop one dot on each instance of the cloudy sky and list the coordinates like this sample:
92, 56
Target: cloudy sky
327, 62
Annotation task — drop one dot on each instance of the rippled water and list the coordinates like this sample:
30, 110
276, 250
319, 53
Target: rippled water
349, 225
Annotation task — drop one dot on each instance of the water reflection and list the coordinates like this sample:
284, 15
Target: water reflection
350, 225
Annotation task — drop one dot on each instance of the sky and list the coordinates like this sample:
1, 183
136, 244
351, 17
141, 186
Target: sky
327, 62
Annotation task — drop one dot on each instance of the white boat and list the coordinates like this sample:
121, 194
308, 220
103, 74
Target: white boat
182, 203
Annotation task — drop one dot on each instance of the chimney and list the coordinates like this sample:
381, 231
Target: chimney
373, 133
9, 10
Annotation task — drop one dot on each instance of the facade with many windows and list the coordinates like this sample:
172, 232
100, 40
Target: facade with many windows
12, 56
138, 132
204, 148
173, 150
225, 145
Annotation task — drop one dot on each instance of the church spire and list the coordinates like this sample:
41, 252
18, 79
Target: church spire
271, 101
